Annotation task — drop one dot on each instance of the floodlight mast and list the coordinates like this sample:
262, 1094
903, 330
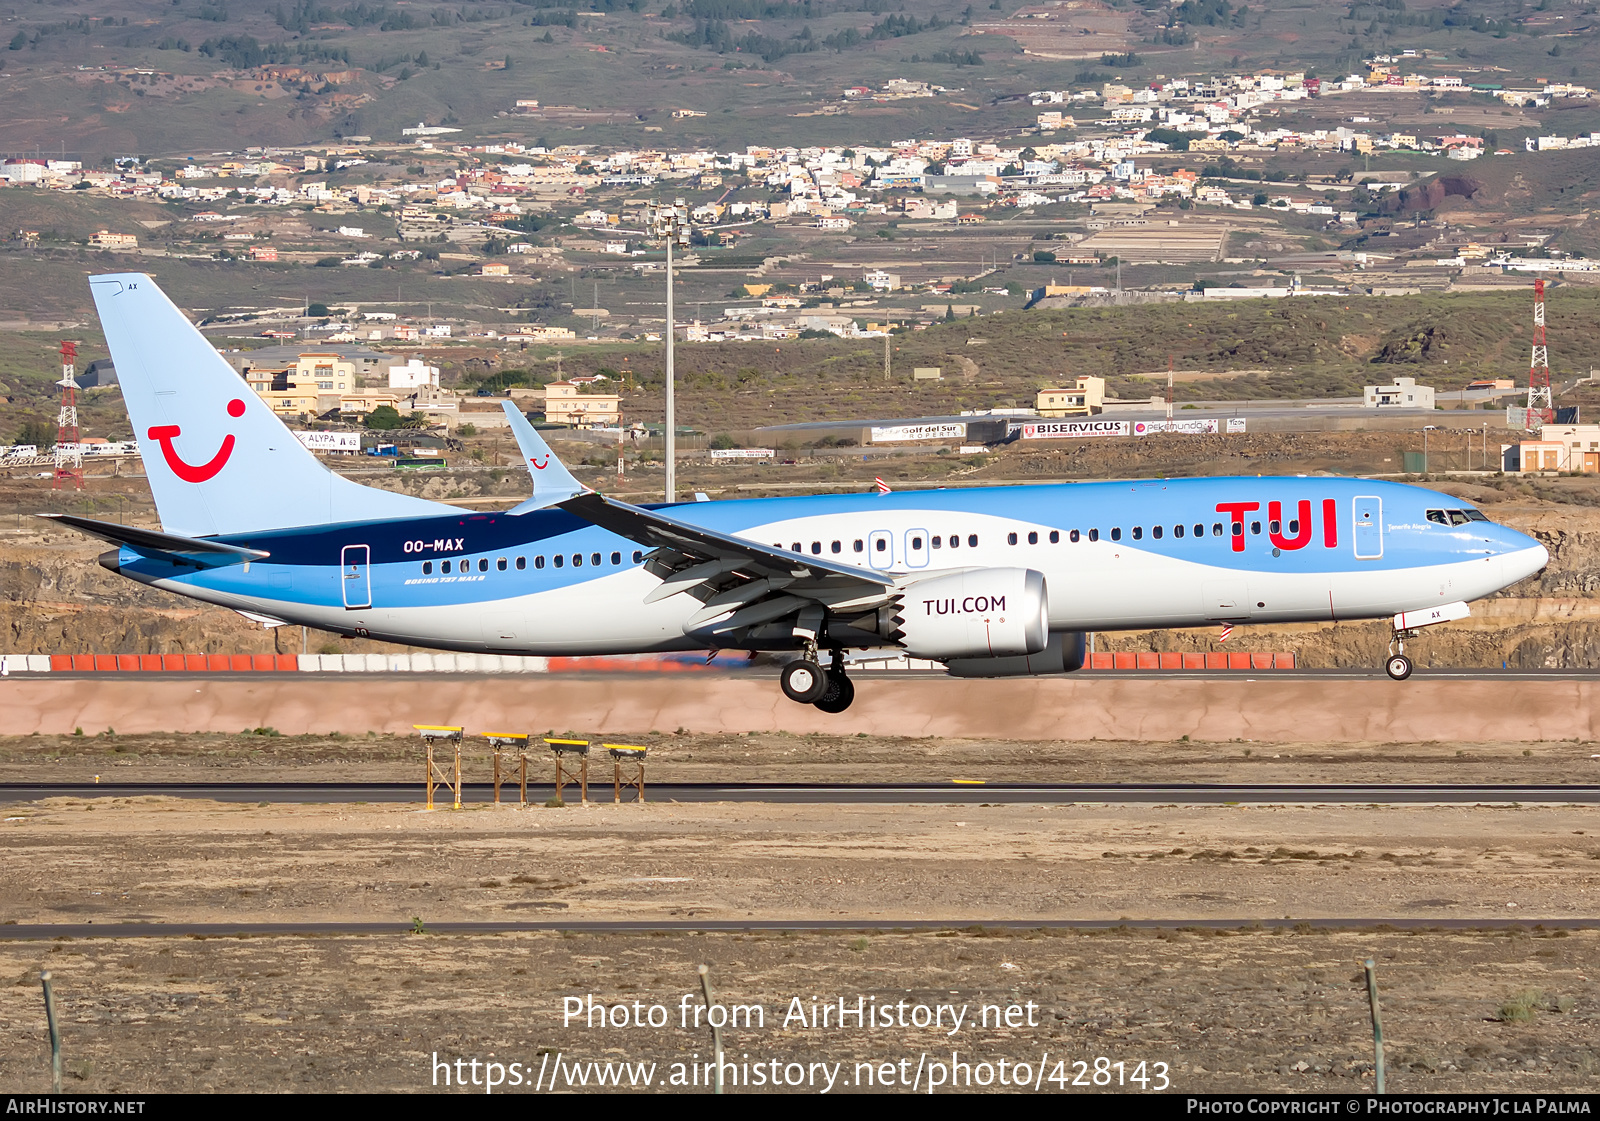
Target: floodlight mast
671, 224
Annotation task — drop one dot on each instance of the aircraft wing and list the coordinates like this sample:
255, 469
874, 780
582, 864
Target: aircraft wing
552, 482
155, 544
742, 583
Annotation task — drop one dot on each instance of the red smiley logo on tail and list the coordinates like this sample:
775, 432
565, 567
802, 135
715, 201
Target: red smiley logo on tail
537, 466
190, 473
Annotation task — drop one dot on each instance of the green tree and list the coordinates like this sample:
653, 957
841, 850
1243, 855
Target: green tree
384, 418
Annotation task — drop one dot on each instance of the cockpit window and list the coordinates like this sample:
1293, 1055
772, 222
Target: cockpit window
1455, 517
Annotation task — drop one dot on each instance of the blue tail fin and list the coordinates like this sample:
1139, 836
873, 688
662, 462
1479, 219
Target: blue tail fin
552, 482
218, 459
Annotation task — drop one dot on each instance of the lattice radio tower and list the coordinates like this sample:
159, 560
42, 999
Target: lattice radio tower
1541, 405
69, 453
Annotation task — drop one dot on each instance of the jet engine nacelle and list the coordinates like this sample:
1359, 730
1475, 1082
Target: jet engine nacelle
978, 613
1064, 653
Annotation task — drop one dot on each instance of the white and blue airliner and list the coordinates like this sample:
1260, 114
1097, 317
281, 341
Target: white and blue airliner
990, 581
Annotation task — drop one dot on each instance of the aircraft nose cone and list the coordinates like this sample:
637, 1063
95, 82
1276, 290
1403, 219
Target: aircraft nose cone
1525, 557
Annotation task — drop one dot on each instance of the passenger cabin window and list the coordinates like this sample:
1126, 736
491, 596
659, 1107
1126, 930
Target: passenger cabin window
816, 548
1216, 529
616, 558
916, 543
1273, 526
1116, 533
1255, 527
1177, 531
1011, 539
483, 564
1138, 532
501, 564
796, 548
1033, 537
859, 546
1073, 537
1155, 531
577, 560
882, 544
558, 560
1294, 527
972, 540
1055, 537
522, 563
955, 541
836, 547
937, 542
1200, 530
444, 566
638, 555
594, 559
427, 568
1094, 535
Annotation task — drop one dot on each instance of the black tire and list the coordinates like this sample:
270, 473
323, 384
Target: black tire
841, 691
1398, 667
804, 682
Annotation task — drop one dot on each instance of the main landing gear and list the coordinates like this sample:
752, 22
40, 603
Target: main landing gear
1399, 666
806, 682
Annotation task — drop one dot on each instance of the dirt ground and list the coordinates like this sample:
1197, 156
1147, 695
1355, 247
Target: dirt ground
1247, 1010
1225, 1012
782, 758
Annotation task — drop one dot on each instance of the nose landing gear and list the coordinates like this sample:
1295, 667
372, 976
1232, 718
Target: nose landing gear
1399, 666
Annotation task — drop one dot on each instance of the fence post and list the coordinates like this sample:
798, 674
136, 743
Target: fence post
716, 1032
1377, 1023
55, 1032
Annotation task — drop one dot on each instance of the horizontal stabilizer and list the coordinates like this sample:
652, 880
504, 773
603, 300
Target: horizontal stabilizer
152, 543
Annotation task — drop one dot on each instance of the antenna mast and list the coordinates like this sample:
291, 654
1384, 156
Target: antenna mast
1541, 405
69, 452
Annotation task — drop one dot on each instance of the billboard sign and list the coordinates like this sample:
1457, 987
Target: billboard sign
896, 433
330, 441
742, 453
1071, 429
1186, 427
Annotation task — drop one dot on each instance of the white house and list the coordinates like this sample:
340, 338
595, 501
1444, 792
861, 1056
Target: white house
1405, 393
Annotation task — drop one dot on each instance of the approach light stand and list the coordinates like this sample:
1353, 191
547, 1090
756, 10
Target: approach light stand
670, 224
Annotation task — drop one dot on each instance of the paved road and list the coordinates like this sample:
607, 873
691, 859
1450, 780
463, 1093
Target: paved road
963, 793
45, 931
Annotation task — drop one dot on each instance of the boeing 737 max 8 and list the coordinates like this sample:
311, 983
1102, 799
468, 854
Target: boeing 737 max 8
990, 581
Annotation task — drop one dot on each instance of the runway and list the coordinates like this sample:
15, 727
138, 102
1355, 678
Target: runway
20, 932
947, 793
1266, 707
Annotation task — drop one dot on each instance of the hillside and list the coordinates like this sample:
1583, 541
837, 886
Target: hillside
225, 73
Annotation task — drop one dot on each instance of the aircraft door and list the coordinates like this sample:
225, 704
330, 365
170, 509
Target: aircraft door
880, 549
916, 548
1367, 514
355, 576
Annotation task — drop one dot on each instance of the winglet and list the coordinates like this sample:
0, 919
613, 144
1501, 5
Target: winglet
552, 482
